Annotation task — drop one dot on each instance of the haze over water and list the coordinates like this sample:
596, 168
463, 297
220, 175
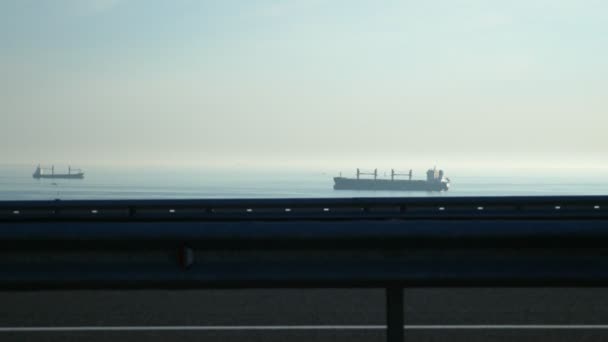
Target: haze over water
16, 183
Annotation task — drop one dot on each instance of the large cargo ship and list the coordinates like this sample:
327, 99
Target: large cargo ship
42, 172
435, 181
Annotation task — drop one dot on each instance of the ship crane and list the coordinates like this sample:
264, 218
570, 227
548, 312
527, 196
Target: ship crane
393, 174
375, 173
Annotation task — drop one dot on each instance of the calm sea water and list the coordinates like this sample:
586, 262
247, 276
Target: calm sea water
16, 183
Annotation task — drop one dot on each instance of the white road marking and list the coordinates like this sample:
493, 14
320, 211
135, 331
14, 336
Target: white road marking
508, 326
193, 328
305, 327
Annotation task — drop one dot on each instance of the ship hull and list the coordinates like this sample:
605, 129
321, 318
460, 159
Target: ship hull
341, 183
61, 176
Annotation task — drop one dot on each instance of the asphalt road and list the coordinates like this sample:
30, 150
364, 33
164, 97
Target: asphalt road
303, 315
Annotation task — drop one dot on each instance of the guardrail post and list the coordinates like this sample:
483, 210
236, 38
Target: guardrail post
394, 314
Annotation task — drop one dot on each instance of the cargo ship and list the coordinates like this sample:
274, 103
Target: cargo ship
435, 181
49, 172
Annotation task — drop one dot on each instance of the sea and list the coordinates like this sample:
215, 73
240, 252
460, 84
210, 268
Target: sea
106, 183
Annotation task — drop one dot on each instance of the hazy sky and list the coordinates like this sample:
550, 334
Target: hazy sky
303, 82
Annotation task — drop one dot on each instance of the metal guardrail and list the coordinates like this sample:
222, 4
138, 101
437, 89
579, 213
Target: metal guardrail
290, 209
388, 243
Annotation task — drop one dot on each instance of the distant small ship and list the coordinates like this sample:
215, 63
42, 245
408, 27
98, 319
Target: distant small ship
435, 181
42, 172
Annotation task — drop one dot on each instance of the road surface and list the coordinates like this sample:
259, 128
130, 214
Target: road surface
303, 315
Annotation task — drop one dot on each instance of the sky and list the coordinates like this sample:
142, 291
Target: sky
304, 83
